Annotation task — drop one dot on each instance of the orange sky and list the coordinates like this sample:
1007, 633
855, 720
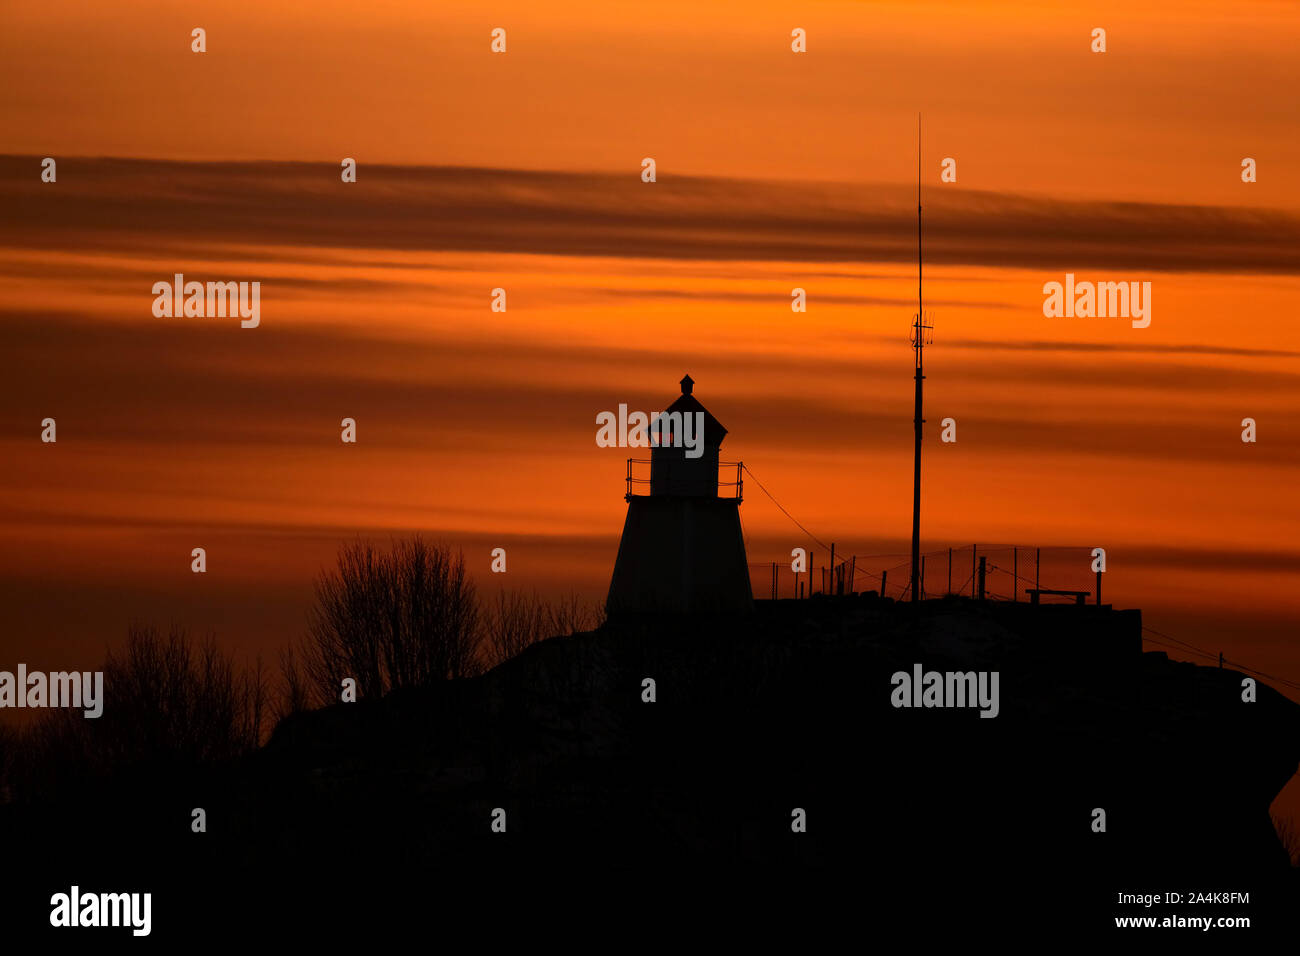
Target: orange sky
1184, 91
775, 171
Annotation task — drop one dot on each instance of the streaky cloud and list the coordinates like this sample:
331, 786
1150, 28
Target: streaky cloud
155, 205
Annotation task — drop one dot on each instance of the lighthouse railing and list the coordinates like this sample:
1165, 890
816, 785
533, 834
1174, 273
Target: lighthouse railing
738, 484
725, 489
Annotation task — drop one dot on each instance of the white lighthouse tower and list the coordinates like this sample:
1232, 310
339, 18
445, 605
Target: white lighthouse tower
682, 549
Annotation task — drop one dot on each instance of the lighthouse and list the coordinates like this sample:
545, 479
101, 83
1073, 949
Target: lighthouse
682, 549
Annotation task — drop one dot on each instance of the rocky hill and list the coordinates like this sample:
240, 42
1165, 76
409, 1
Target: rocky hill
931, 813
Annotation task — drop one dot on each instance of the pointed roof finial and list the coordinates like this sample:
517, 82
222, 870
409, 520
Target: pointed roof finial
687, 384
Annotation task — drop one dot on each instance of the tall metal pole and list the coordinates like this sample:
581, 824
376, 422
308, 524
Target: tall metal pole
919, 344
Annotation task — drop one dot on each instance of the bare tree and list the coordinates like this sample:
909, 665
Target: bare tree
170, 702
295, 691
518, 619
568, 614
175, 697
389, 620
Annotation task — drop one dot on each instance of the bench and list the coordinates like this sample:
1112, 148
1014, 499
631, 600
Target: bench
1080, 597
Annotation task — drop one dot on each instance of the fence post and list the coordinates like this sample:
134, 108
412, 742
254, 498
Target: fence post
1038, 564
982, 559
973, 549
950, 570
853, 573
1099, 588
1015, 573
810, 567
922, 577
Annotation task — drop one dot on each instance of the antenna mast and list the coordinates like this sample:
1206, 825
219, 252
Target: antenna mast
919, 330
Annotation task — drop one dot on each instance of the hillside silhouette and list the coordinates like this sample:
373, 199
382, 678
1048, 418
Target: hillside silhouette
909, 811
